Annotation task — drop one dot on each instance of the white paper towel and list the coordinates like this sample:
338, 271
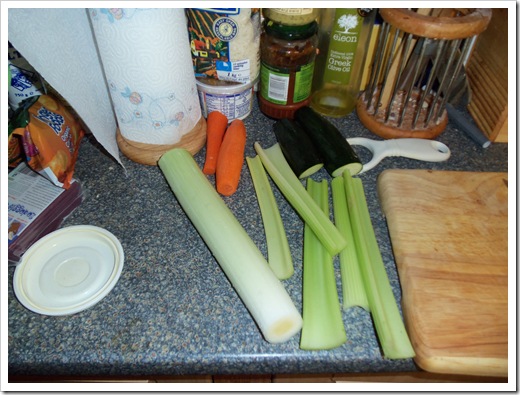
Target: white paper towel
147, 61
154, 94
59, 44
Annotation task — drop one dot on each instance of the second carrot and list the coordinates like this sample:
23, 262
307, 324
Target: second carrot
231, 158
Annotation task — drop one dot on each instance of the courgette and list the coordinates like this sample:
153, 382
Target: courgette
297, 147
333, 148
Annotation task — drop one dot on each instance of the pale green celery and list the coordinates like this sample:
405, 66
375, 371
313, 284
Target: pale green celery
293, 190
389, 325
246, 268
278, 252
352, 284
323, 327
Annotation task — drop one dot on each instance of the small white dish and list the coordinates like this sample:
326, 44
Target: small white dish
69, 270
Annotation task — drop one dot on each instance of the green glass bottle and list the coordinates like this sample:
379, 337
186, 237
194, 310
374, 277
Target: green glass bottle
344, 35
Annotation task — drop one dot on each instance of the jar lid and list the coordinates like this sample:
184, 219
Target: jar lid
286, 32
291, 16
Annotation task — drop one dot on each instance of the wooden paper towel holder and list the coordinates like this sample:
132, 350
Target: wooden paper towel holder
149, 154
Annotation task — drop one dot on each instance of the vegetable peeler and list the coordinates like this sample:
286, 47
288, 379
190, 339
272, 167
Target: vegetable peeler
413, 148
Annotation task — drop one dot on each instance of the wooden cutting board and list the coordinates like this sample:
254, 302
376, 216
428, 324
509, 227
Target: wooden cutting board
449, 236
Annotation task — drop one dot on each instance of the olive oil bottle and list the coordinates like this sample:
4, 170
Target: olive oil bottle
344, 35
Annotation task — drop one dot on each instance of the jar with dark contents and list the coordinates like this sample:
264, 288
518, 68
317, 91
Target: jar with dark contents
287, 56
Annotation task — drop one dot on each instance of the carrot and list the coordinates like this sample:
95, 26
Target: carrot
216, 126
231, 158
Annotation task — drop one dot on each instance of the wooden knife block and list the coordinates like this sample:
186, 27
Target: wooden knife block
487, 75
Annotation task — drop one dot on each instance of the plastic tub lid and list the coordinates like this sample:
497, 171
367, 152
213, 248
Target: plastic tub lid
223, 87
69, 270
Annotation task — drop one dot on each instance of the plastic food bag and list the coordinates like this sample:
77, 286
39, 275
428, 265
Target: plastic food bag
18, 119
25, 82
51, 140
225, 43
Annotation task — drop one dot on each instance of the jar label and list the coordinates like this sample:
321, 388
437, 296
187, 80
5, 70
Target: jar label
303, 83
275, 84
344, 40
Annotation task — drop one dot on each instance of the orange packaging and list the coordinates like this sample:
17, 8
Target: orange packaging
51, 140
14, 152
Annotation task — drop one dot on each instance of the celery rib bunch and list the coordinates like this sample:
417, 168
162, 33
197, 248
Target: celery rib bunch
323, 327
381, 301
351, 282
293, 190
278, 252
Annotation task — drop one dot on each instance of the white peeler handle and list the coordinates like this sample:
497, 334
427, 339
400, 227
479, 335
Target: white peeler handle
413, 148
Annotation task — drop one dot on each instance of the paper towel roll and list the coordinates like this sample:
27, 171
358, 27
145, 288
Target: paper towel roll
146, 57
69, 62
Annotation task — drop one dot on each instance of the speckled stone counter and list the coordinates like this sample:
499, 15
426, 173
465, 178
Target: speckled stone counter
173, 311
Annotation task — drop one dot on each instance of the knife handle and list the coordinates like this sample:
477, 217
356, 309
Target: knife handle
467, 127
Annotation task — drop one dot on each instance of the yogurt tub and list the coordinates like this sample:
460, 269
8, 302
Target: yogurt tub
233, 100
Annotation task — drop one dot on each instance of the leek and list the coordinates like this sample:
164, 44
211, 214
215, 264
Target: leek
352, 284
246, 268
293, 190
323, 327
278, 252
389, 325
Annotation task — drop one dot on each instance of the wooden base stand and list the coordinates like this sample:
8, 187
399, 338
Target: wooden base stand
149, 154
390, 129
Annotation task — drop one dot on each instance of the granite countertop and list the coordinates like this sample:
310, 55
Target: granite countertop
173, 311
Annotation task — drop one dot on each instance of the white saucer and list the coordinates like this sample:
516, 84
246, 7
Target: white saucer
69, 270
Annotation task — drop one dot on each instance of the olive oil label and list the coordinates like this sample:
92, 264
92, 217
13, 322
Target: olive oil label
344, 39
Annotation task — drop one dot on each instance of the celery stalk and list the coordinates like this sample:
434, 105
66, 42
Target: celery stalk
389, 325
323, 327
352, 284
293, 190
278, 252
246, 268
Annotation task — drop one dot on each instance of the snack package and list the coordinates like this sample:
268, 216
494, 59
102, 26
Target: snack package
25, 82
18, 119
51, 140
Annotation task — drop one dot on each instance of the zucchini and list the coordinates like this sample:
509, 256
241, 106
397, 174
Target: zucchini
335, 151
297, 147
